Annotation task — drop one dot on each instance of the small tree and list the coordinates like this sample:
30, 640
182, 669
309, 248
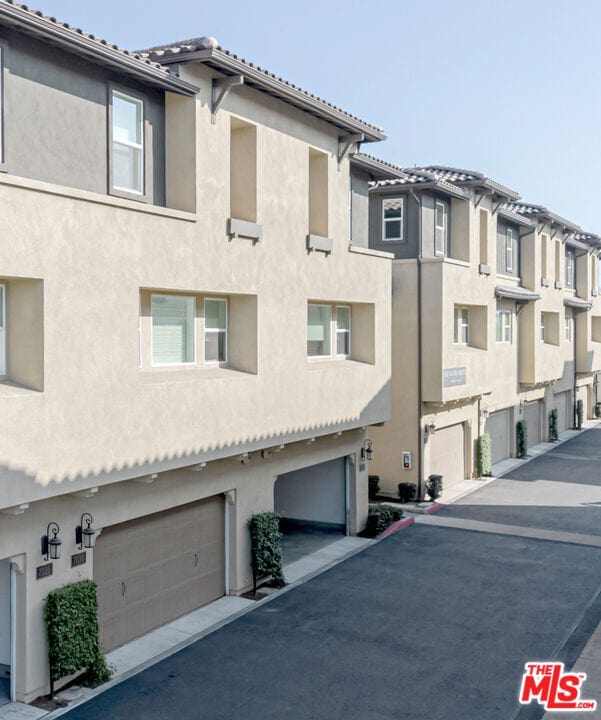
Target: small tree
484, 454
553, 432
579, 414
521, 439
266, 547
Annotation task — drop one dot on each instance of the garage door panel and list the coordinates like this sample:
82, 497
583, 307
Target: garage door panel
447, 454
154, 569
497, 426
562, 404
532, 417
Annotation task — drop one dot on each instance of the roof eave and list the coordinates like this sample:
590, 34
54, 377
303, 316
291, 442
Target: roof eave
223, 62
376, 168
450, 190
501, 191
516, 218
102, 54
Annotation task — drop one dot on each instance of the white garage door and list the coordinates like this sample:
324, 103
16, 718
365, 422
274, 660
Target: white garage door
153, 569
497, 426
315, 494
447, 454
563, 404
532, 416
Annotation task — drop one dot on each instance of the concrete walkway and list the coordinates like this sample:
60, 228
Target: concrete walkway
145, 651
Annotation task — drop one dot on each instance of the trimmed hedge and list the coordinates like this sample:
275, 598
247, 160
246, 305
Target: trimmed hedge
521, 439
71, 616
434, 486
374, 486
484, 454
380, 517
266, 547
553, 431
407, 491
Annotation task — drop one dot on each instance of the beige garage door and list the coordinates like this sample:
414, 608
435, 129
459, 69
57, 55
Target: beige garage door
156, 568
532, 416
447, 454
497, 426
563, 405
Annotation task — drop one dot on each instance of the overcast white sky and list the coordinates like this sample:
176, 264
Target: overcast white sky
510, 89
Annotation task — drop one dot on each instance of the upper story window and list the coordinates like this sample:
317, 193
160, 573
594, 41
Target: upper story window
215, 314
542, 330
1, 104
2, 329
324, 323
504, 322
441, 227
509, 250
392, 219
173, 335
461, 326
570, 269
127, 143
568, 328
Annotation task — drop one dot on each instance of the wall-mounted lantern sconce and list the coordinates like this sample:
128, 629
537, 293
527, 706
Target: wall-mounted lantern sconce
366, 451
430, 428
84, 536
51, 546
485, 412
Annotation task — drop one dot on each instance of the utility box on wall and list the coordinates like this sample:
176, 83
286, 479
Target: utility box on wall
407, 460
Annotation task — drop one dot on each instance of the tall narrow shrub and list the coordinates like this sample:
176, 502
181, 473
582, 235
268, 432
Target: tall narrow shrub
484, 455
266, 547
521, 439
553, 431
579, 414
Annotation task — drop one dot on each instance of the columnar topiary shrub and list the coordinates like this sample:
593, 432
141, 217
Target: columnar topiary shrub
553, 432
579, 414
434, 486
484, 455
598, 409
407, 491
374, 486
71, 616
266, 547
521, 439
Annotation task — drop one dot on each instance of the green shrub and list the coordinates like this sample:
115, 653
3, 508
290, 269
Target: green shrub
521, 439
553, 432
579, 414
434, 486
484, 455
407, 491
266, 547
71, 616
381, 517
374, 486
598, 409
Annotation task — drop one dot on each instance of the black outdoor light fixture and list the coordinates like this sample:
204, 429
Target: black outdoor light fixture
84, 536
51, 546
366, 451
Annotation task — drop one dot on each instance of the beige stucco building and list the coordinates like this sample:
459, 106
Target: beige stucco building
495, 320
188, 335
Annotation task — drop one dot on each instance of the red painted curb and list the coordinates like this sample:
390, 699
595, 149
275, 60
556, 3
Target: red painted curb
435, 508
396, 527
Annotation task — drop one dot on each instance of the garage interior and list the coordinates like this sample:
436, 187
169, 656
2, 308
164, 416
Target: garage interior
312, 505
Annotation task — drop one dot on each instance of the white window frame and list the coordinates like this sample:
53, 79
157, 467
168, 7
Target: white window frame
125, 143
444, 228
215, 330
3, 331
175, 364
509, 249
343, 331
568, 328
542, 327
461, 322
386, 221
505, 326
320, 305
570, 269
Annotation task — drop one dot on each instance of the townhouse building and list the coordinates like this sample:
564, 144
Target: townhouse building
190, 333
495, 320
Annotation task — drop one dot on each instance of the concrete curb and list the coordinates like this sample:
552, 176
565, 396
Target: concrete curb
396, 527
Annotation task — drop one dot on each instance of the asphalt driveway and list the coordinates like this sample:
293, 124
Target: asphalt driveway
431, 623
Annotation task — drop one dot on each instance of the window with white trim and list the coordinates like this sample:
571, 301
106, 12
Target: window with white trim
570, 269
173, 334
509, 250
319, 320
568, 328
462, 326
504, 326
441, 227
2, 329
343, 330
542, 327
215, 316
392, 219
127, 143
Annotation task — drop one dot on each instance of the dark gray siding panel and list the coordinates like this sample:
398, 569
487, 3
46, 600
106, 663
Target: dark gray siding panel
359, 208
408, 247
55, 118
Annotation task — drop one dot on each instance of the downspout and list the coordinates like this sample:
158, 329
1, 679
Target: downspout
575, 339
420, 454
13, 632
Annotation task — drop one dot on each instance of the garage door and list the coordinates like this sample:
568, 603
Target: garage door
447, 454
563, 404
497, 426
532, 416
156, 568
315, 494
